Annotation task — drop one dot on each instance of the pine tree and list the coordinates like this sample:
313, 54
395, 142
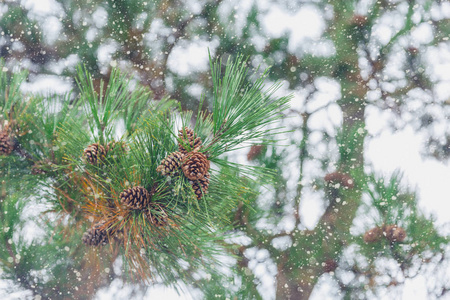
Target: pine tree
330, 160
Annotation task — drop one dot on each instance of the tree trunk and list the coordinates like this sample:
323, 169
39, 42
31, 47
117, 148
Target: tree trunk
296, 285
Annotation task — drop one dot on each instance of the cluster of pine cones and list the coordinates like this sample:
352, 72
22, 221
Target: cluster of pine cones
194, 164
188, 160
392, 233
6, 142
137, 198
96, 153
100, 235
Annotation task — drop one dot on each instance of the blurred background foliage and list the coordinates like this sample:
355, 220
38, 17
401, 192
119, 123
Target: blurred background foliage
347, 62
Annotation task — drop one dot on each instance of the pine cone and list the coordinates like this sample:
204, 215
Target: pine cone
329, 265
341, 178
156, 215
200, 186
6, 143
136, 197
254, 152
94, 153
189, 137
114, 147
373, 235
359, 20
95, 236
195, 166
171, 164
395, 233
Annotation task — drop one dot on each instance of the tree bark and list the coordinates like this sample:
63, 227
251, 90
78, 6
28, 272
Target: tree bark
293, 288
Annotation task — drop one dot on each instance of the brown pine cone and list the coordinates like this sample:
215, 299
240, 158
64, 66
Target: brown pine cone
341, 178
254, 152
329, 265
200, 186
171, 164
373, 235
395, 233
188, 137
6, 143
94, 153
96, 236
156, 215
136, 197
359, 20
195, 166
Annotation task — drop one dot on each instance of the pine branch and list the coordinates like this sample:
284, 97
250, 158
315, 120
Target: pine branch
241, 111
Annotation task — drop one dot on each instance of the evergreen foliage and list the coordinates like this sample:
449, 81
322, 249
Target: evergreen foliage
157, 225
248, 228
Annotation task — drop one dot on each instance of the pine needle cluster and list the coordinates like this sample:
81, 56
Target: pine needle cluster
98, 158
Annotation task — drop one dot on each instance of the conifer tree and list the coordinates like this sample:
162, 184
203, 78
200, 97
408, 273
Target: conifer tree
371, 235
